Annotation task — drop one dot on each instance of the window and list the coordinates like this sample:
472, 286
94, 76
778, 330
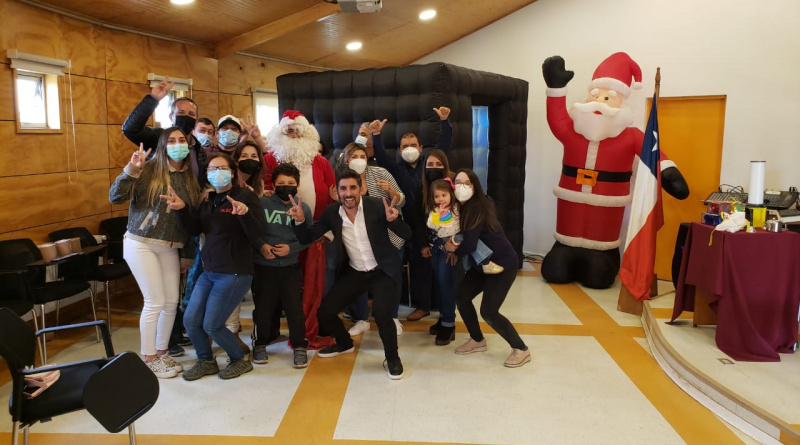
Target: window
36, 83
265, 102
180, 88
163, 110
480, 143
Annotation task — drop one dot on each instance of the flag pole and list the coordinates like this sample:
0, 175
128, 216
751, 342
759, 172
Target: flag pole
658, 82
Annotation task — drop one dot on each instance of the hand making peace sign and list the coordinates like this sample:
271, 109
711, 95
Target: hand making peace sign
391, 212
296, 211
250, 128
139, 156
162, 88
174, 202
239, 208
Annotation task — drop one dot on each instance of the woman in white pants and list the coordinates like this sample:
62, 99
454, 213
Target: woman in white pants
154, 237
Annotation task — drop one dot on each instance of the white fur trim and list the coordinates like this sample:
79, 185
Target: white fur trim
665, 164
587, 198
611, 84
300, 120
585, 243
556, 92
637, 85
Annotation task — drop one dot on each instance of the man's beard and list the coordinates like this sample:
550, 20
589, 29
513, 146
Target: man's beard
297, 151
596, 127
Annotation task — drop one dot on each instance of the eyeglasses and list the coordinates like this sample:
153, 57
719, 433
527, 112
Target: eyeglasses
467, 182
211, 169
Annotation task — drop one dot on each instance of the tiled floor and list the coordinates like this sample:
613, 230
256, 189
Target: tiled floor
591, 381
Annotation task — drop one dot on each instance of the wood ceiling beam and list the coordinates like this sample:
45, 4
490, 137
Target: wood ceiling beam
275, 29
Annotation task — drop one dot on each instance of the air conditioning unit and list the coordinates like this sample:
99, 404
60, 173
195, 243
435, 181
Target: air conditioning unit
360, 6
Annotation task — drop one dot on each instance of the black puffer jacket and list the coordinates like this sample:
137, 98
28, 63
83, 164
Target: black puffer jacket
136, 130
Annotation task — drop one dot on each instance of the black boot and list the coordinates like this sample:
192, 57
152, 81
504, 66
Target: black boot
434, 329
445, 335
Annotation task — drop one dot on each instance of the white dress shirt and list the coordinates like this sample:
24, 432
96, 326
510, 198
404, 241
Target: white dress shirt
356, 240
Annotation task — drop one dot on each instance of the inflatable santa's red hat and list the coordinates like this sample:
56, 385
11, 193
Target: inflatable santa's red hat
616, 72
293, 117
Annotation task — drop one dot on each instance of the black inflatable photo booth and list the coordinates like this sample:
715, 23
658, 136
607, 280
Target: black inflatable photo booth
337, 102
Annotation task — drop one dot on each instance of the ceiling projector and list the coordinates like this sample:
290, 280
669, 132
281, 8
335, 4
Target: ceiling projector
360, 6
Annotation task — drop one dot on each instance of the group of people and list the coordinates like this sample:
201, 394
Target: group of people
309, 237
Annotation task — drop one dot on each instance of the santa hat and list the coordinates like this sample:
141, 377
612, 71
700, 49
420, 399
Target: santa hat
615, 73
293, 117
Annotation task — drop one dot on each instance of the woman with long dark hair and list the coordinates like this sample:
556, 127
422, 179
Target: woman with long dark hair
154, 237
479, 222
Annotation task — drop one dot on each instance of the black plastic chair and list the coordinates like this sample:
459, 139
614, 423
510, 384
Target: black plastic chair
15, 298
115, 390
15, 256
115, 229
97, 272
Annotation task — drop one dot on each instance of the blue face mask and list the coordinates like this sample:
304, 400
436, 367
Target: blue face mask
219, 179
228, 138
177, 152
204, 139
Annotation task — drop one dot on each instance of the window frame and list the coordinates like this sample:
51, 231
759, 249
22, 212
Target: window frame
53, 105
254, 92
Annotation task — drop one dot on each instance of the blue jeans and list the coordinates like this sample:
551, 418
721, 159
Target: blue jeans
214, 298
481, 255
446, 275
358, 309
192, 276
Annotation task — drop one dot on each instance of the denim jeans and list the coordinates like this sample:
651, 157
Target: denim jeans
447, 276
191, 276
358, 309
481, 255
214, 298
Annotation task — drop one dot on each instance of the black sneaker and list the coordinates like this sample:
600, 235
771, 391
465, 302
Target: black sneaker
184, 341
445, 335
334, 350
300, 358
260, 355
176, 350
394, 368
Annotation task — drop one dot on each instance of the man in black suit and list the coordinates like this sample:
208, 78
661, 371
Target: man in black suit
365, 261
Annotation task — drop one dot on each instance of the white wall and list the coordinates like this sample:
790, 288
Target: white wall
749, 51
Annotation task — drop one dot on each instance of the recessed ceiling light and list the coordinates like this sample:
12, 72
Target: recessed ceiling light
354, 46
427, 14
181, 2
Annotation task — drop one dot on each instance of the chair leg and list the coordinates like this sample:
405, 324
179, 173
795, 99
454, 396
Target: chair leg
58, 312
44, 338
108, 306
94, 313
25, 432
38, 340
15, 433
132, 434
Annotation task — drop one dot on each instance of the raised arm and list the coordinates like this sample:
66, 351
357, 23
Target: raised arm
446, 133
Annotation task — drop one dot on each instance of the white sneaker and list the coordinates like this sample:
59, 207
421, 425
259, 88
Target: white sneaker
359, 328
399, 326
161, 369
171, 362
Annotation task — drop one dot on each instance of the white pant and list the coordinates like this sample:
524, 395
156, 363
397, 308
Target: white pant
157, 271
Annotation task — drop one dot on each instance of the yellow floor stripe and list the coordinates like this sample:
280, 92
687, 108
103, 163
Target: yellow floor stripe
692, 421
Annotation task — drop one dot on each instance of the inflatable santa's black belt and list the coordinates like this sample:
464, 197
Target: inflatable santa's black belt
586, 175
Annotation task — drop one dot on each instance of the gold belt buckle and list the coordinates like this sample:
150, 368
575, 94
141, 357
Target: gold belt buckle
586, 177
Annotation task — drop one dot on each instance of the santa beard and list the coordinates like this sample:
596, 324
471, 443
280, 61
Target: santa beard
299, 152
597, 127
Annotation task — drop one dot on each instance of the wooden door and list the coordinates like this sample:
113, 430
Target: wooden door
690, 133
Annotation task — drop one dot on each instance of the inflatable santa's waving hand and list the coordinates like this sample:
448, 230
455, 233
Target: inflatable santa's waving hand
600, 147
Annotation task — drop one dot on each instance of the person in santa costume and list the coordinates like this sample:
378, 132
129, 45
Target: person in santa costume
296, 141
600, 147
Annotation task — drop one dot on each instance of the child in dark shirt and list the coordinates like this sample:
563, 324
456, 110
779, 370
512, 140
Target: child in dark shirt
278, 277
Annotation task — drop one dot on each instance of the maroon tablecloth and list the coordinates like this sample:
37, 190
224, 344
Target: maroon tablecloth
754, 282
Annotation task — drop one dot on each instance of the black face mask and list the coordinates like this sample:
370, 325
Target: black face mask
432, 174
185, 123
283, 191
249, 166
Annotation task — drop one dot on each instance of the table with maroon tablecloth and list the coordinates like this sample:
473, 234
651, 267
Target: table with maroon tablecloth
753, 282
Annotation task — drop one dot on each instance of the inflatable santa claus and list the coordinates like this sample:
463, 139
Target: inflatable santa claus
600, 147
296, 141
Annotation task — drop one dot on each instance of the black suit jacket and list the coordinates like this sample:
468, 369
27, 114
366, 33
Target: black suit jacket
375, 220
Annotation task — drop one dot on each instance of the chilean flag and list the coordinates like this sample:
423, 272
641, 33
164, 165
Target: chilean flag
646, 216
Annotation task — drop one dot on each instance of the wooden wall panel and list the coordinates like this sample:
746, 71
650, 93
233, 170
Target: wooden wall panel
92, 143
49, 198
118, 213
84, 45
204, 68
120, 148
237, 105
112, 175
208, 104
237, 74
39, 234
122, 98
27, 154
6, 93
88, 100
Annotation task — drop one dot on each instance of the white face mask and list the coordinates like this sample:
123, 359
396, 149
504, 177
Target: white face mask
362, 140
358, 165
463, 192
410, 154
